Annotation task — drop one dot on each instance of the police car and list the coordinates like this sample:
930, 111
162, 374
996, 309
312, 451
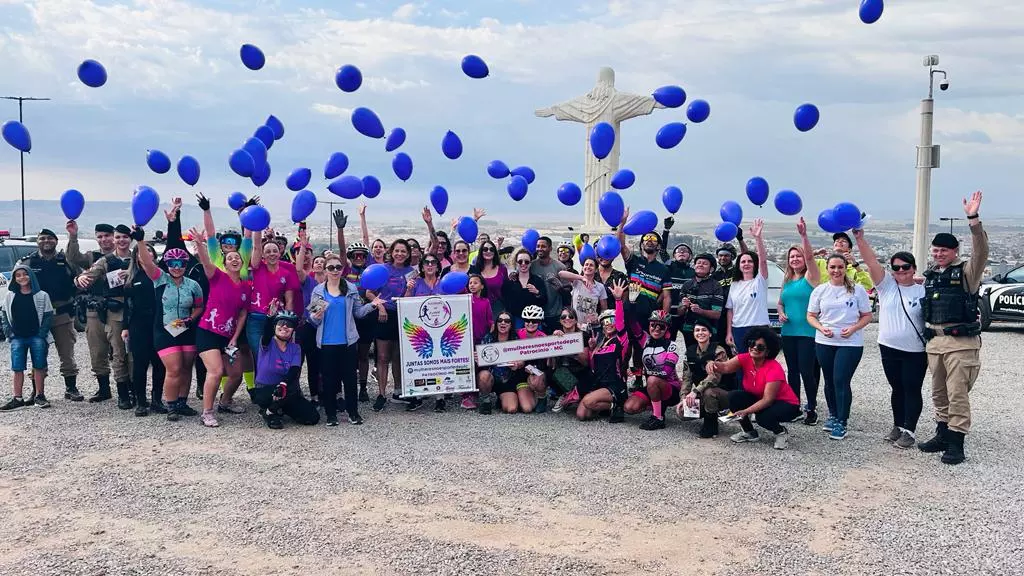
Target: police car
1002, 298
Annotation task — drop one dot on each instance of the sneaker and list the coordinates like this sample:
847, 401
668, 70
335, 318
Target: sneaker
781, 439
172, 414
364, 396
41, 401
274, 422
468, 402
798, 418
73, 394
379, 403
838, 431
830, 422
209, 420
559, 404
332, 421
617, 416
484, 407
810, 418
893, 434
230, 408
653, 423
413, 405
157, 407
905, 441
440, 405
186, 410
542, 405
13, 404
744, 436
355, 420
141, 411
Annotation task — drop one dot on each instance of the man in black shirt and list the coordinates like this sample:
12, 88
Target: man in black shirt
700, 297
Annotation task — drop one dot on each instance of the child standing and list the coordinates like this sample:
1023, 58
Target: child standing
25, 316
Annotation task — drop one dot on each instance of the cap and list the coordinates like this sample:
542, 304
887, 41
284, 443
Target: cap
945, 240
122, 229
703, 322
46, 232
706, 256
107, 228
844, 236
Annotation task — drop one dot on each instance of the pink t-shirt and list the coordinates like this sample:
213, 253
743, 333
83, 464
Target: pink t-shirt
755, 380
226, 299
482, 318
267, 285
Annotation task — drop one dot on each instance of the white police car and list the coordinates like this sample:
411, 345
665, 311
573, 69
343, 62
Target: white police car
1002, 298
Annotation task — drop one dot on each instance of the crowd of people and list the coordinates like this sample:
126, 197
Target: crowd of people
675, 330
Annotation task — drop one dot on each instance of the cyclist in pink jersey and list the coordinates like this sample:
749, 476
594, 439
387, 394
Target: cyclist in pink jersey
608, 354
660, 356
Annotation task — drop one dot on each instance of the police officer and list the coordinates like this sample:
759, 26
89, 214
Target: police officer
56, 277
954, 333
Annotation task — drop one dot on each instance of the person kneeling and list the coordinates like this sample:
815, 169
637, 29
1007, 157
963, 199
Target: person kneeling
708, 392
608, 353
660, 357
765, 391
276, 390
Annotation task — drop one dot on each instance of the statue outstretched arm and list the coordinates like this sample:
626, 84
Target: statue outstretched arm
632, 105
569, 110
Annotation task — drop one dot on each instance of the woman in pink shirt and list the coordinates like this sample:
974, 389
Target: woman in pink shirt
272, 279
488, 265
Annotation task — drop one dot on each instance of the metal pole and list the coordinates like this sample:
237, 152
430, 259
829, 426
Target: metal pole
924, 180
21, 119
330, 220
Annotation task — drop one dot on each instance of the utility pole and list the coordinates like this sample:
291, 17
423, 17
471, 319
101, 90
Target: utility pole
330, 219
927, 159
21, 118
951, 220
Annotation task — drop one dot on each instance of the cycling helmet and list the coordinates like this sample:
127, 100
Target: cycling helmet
286, 316
175, 254
230, 233
533, 312
568, 246
726, 248
606, 315
708, 257
357, 247
659, 316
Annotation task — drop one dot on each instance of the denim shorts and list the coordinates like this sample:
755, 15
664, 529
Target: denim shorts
20, 348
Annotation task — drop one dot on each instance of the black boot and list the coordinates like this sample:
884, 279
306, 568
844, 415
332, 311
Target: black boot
364, 396
124, 398
157, 406
939, 442
954, 453
104, 391
71, 389
709, 426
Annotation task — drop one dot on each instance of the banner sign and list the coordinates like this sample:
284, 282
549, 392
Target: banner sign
435, 336
532, 349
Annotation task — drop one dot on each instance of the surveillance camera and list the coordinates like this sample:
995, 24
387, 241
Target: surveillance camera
944, 84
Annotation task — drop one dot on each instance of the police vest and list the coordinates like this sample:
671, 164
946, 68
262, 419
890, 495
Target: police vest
55, 276
697, 363
113, 263
947, 297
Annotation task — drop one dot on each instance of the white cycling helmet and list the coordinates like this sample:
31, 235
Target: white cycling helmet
606, 315
533, 312
357, 247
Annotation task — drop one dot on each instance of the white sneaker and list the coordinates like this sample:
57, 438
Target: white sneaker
781, 439
741, 437
209, 420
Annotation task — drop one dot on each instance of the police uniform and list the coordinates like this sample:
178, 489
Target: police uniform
954, 340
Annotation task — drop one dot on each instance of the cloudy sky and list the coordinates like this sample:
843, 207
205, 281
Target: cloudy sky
176, 84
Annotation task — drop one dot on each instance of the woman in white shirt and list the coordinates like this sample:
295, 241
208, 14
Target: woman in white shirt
588, 297
900, 337
838, 311
747, 305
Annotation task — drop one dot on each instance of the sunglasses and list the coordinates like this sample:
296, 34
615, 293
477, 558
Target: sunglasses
504, 320
901, 267
357, 255
175, 263
229, 241
523, 262
657, 325
759, 347
487, 249
563, 250
567, 317
607, 322
530, 322
333, 268
650, 238
461, 251
430, 262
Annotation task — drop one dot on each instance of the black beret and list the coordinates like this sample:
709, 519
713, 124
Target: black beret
122, 229
105, 228
945, 240
46, 232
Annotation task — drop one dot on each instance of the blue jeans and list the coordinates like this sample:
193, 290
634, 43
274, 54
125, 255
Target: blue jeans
838, 363
20, 349
254, 332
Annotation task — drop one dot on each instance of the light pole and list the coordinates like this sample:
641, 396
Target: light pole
949, 219
330, 218
927, 158
21, 119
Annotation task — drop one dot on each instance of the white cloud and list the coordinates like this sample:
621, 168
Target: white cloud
406, 11
331, 110
967, 133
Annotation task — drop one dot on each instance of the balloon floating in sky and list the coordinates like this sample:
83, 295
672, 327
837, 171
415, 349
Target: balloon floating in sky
17, 135
640, 223
672, 198
298, 179
261, 174
451, 146
145, 203
467, 229
517, 188
602, 140
236, 200
241, 163
158, 161
188, 170
525, 172
586, 251
348, 78
395, 140
569, 194
788, 202
670, 135
92, 73
252, 57
827, 221
371, 186
846, 215
497, 169
303, 205
611, 208
439, 199
871, 10
366, 122
374, 277
72, 203
757, 190
726, 232
806, 117
276, 126
623, 179
670, 96
336, 165
347, 187
254, 146
475, 67
265, 134
255, 218
608, 247
454, 282
402, 166
530, 239
698, 111
731, 212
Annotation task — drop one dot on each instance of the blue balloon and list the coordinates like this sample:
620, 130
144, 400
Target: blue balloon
145, 203
827, 221
846, 215
374, 277
451, 146
525, 172
498, 169
731, 212
336, 165
252, 57
871, 11
672, 199
475, 67
276, 126
261, 174
612, 208
670, 135
530, 239
726, 232
17, 135
670, 96
402, 166
569, 194
92, 73
255, 218
236, 200
623, 179
642, 222
188, 170
608, 247
454, 282
303, 205
439, 199
602, 140
586, 251
241, 163
698, 111
348, 78
255, 147
757, 190
467, 229
371, 186
298, 179
806, 117
366, 122
348, 187
517, 188
395, 140
158, 161
72, 202
788, 202
266, 135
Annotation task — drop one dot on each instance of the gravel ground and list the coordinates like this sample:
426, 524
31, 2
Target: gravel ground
92, 490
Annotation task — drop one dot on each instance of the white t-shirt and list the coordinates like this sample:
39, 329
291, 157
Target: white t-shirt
586, 301
895, 330
748, 300
837, 309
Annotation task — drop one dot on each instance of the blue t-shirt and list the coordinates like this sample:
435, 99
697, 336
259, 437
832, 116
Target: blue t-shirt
395, 287
176, 300
795, 296
335, 320
274, 363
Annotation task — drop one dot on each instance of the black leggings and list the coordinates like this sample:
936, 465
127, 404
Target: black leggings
311, 356
768, 418
144, 357
339, 369
802, 364
905, 372
294, 405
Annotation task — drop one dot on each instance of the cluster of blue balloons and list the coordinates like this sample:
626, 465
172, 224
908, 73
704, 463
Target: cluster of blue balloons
670, 135
520, 178
840, 218
250, 161
732, 215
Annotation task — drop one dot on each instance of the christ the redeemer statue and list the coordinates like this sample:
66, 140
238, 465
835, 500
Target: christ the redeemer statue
602, 104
